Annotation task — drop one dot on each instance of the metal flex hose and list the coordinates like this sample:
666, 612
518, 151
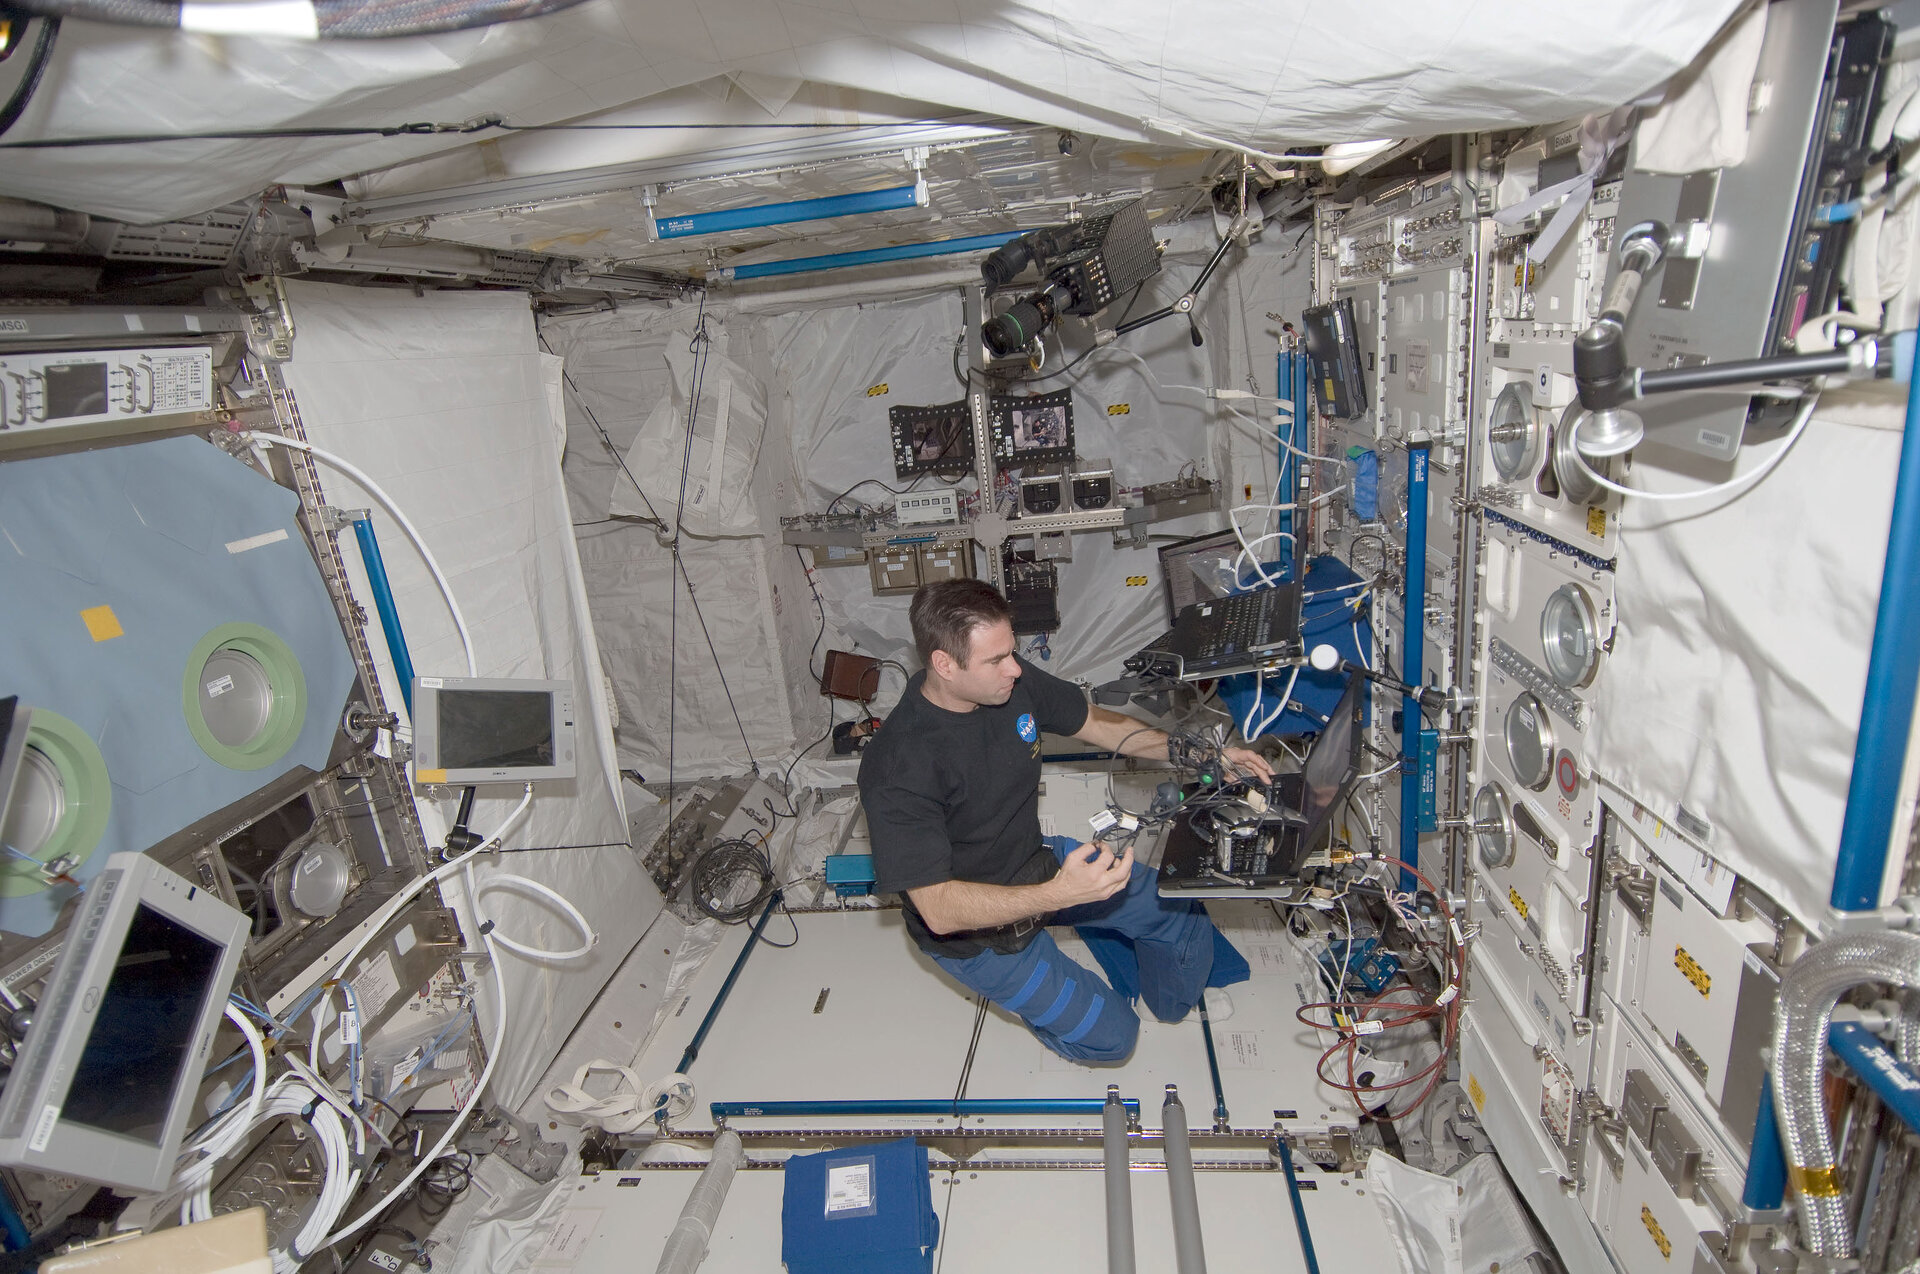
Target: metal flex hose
1119, 1185
1906, 1040
687, 1245
1808, 993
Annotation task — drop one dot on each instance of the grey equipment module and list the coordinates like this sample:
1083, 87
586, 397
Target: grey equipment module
105, 1083
492, 730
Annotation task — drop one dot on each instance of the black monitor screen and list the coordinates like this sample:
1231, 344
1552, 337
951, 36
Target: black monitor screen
495, 729
75, 389
138, 1051
1201, 569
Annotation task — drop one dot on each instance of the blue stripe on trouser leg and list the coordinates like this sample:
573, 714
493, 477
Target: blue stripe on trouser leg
1173, 939
1070, 1007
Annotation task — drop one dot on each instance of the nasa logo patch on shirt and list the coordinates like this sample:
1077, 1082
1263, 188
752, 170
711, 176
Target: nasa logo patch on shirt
1028, 730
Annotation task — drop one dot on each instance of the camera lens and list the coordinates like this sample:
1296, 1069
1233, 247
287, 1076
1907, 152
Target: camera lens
1005, 262
1009, 333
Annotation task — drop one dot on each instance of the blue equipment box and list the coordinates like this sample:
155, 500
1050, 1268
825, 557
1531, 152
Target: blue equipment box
851, 875
1370, 967
863, 1210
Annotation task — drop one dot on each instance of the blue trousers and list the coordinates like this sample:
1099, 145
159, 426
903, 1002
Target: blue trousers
1069, 1006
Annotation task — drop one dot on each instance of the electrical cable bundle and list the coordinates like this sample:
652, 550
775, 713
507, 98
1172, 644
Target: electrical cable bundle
1356, 1022
730, 880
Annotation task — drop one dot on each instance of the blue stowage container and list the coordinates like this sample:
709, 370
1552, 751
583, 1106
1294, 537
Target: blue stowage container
862, 1210
1366, 483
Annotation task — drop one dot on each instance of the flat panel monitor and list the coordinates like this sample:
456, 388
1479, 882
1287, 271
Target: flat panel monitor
1031, 428
104, 1086
492, 730
1333, 350
931, 439
1199, 569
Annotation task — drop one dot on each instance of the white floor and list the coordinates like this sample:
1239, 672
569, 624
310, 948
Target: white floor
854, 1011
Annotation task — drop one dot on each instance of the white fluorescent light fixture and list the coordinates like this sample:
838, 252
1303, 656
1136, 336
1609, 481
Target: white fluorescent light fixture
780, 214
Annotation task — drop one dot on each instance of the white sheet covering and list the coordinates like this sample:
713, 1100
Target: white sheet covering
621, 370
1739, 663
1257, 74
442, 400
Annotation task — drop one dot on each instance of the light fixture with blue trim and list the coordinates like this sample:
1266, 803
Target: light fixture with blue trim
866, 256
778, 214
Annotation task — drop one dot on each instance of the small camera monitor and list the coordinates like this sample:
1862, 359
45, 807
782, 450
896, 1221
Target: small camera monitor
469, 730
104, 1085
1027, 429
931, 439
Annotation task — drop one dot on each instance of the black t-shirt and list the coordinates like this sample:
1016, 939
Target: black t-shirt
956, 795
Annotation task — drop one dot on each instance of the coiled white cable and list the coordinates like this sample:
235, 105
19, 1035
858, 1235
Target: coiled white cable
1753, 475
509, 881
393, 510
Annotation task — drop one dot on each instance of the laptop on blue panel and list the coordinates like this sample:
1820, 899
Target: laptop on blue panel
1255, 840
1218, 636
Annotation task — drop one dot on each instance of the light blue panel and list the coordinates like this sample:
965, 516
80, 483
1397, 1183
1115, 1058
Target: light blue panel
152, 530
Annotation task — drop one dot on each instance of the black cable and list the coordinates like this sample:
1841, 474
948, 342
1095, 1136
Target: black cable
863, 482
973, 1047
395, 130
784, 946
819, 605
716, 879
36, 67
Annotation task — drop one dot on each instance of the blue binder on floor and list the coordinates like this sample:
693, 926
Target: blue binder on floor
862, 1210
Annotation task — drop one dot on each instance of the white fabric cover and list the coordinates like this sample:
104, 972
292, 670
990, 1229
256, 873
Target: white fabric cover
717, 459
442, 400
1739, 661
1427, 1216
674, 710
1703, 121
1257, 74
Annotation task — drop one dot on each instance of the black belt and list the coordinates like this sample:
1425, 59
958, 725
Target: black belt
1018, 929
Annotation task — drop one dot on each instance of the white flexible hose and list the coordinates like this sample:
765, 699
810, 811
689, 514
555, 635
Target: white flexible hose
1753, 475
508, 880
393, 510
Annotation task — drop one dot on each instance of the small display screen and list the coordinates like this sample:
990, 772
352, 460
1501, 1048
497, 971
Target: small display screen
75, 389
137, 1054
495, 729
1038, 428
1201, 569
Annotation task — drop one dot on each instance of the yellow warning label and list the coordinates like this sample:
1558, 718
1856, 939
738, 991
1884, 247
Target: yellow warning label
102, 624
1119, 409
1523, 273
1690, 970
1596, 522
430, 776
1659, 1235
1136, 581
1519, 903
1476, 1092
874, 391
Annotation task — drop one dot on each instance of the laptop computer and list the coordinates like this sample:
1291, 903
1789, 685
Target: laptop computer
1231, 848
1198, 569
1240, 632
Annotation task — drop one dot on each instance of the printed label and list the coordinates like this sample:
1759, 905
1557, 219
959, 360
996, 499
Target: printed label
43, 1131
849, 1188
385, 1260
1476, 1092
219, 686
1596, 522
567, 1242
376, 984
